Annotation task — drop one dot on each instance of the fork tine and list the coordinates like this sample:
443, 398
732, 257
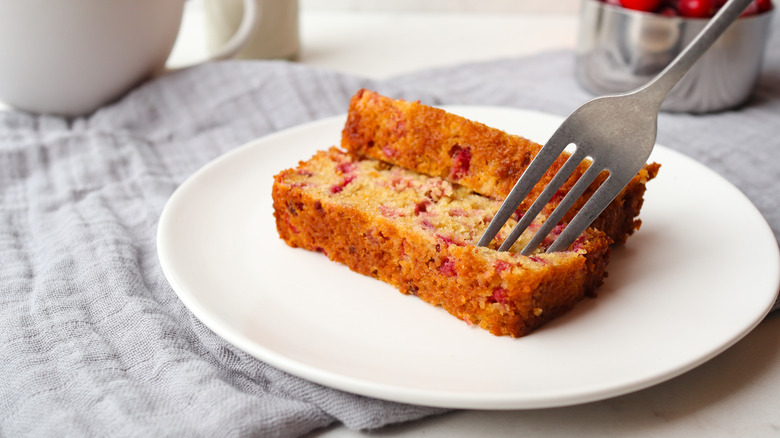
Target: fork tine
568, 201
539, 165
555, 183
603, 196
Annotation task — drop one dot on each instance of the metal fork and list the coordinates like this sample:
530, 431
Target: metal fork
616, 132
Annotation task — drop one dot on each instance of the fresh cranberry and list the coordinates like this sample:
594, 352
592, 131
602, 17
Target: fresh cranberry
764, 5
641, 5
697, 8
688, 8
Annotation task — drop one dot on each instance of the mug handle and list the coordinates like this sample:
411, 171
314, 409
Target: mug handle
249, 22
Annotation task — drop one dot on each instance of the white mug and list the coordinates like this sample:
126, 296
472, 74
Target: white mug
69, 57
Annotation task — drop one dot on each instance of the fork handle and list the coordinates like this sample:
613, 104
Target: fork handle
659, 87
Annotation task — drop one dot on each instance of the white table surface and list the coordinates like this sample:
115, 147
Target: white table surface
347, 41
737, 394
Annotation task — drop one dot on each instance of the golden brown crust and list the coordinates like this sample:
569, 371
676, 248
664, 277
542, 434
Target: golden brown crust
486, 160
329, 204
416, 231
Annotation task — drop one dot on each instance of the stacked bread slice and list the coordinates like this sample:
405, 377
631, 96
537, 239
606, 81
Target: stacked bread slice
408, 195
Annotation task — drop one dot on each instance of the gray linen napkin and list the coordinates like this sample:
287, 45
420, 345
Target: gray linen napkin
93, 340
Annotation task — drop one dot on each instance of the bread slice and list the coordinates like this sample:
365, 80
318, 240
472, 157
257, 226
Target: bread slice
418, 233
489, 161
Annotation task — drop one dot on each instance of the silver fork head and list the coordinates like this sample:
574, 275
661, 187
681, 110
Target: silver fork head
616, 133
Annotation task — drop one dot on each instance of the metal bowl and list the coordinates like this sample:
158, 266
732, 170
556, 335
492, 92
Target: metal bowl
621, 49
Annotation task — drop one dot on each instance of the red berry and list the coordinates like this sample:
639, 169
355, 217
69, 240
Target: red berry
641, 5
697, 8
500, 295
447, 267
669, 11
763, 5
461, 158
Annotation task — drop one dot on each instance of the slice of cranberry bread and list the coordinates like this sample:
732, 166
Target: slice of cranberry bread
418, 233
486, 160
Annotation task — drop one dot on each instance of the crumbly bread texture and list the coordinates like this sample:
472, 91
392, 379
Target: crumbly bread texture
418, 233
489, 161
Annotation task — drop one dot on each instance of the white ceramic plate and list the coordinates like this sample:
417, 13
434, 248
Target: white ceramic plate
699, 275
